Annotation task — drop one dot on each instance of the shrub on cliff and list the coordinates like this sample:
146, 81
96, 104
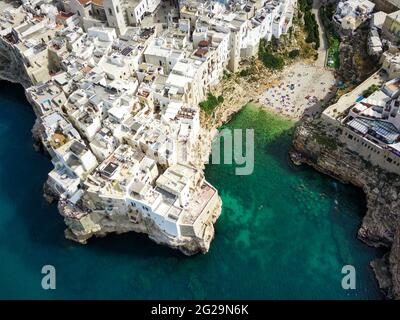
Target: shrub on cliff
305, 5
211, 103
310, 22
246, 72
311, 28
327, 142
294, 53
269, 59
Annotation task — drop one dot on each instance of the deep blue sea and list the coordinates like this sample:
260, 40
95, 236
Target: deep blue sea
284, 232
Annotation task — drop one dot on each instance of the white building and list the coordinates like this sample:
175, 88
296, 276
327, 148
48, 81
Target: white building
117, 103
115, 15
350, 14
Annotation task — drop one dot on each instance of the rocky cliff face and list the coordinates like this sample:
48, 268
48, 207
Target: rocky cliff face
11, 69
96, 224
85, 224
316, 144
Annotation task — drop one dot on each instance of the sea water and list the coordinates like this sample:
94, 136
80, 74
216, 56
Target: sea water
284, 232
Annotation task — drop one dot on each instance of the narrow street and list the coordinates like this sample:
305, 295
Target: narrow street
323, 49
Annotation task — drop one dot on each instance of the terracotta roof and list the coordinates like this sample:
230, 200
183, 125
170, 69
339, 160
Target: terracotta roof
203, 44
201, 52
97, 2
64, 15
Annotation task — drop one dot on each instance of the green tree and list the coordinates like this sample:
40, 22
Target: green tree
294, 53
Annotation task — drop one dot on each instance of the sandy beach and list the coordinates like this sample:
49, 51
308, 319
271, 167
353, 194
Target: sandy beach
300, 92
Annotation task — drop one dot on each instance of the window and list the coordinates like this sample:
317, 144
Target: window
117, 8
110, 11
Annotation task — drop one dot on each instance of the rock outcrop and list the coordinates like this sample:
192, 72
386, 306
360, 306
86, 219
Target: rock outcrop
380, 225
12, 70
84, 222
81, 228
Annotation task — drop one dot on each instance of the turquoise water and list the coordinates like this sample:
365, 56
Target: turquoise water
284, 232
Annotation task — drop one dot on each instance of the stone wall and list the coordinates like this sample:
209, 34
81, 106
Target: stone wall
381, 223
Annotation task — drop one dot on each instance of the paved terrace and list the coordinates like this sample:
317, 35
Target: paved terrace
347, 100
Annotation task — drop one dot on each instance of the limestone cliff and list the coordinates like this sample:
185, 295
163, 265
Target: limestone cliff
316, 143
11, 69
81, 228
86, 222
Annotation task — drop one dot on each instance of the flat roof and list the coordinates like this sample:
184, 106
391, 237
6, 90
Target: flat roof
110, 169
382, 130
77, 148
